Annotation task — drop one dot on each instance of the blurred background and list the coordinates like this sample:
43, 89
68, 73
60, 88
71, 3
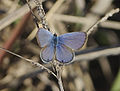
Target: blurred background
96, 66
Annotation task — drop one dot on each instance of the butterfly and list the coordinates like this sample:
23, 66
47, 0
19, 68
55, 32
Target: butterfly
59, 47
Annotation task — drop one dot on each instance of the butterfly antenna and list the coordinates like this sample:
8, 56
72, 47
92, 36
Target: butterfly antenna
102, 20
34, 17
41, 13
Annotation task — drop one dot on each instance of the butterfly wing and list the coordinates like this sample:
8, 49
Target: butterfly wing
44, 37
73, 40
47, 53
64, 54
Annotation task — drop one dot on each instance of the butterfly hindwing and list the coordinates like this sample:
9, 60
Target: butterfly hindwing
64, 54
74, 40
47, 53
44, 37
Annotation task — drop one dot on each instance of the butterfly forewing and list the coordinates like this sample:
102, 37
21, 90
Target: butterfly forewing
44, 37
64, 54
74, 40
47, 53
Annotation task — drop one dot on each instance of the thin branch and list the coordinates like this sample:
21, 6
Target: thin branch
41, 13
96, 52
60, 84
59, 70
102, 20
30, 61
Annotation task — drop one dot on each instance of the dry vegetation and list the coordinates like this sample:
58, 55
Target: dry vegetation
96, 66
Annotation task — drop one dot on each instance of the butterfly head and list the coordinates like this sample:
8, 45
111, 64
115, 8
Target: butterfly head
55, 35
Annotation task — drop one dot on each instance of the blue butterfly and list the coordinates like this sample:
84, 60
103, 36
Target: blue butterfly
59, 47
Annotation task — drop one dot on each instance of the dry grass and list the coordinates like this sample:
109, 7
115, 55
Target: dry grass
95, 66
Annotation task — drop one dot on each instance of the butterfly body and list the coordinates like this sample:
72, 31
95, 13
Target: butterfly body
55, 39
59, 47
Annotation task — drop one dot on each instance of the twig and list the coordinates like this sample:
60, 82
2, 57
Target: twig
41, 13
59, 70
30, 61
96, 52
60, 84
102, 20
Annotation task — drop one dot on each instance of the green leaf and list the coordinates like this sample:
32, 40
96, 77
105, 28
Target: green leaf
116, 84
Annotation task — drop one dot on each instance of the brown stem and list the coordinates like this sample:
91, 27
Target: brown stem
16, 32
